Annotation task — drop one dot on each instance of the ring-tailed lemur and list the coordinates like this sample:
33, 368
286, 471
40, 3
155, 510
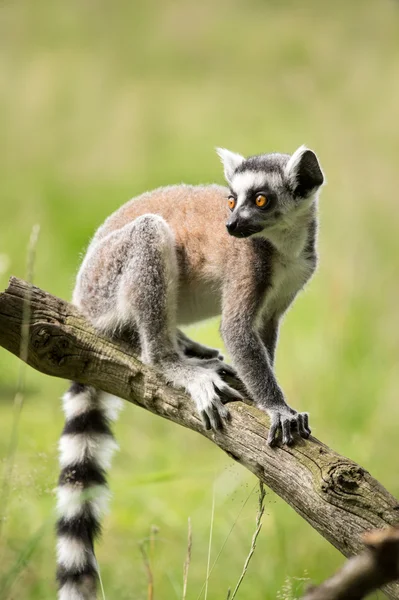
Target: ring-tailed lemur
174, 256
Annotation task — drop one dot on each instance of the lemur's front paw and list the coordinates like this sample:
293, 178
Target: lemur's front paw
288, 421
210, 393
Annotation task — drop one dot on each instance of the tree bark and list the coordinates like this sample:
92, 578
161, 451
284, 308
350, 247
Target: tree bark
333, 494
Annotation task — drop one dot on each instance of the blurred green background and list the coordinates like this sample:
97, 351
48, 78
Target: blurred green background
101, 101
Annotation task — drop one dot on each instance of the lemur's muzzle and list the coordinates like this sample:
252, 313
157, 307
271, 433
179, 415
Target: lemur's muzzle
241, 229
232, 225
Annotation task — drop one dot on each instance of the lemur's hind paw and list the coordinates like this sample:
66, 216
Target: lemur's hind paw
193, 349
225, 371
215, 364
214, 353
204, 353
210, 394
288, 421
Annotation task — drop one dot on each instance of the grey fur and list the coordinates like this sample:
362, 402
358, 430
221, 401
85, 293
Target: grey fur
139, 279
136, 285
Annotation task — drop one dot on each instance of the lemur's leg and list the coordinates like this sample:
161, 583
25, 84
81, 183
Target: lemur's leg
147, 294
191, 348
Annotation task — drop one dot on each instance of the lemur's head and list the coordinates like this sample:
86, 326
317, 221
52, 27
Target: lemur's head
269, 191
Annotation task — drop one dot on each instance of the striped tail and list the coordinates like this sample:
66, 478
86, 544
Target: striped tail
86, 447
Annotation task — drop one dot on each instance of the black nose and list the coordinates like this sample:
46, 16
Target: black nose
231, 226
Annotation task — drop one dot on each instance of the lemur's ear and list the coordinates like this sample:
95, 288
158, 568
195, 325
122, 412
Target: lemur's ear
303, 172
230, 161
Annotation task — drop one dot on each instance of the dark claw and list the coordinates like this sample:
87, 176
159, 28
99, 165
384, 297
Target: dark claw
306, 423
227, 417
228, 394
216, 421
295, 425
301, 424
271, 439
223, 410
205, 420
303, 420
287, 436
225, 370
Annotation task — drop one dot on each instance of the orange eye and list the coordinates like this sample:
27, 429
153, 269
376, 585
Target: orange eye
261, 200
232, 202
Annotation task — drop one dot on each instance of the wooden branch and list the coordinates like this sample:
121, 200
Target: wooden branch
336, 496
376, 565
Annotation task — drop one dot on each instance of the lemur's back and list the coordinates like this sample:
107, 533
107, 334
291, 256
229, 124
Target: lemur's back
197, 216
174, 203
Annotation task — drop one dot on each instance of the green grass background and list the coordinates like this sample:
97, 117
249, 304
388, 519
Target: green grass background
100, 101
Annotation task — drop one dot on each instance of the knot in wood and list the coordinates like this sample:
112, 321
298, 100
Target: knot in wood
40, 337
343, 477
49, 342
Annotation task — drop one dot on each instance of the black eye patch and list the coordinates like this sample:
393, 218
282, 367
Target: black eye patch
271, 197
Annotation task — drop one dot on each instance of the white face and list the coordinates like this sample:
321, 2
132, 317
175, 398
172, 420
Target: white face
269, 191
257, 202
248, 181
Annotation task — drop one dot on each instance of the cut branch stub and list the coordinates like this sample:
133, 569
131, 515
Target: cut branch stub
377, 565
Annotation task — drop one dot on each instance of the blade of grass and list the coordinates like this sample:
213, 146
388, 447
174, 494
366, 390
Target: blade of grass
210, 544
22, 560
19, 393
227, 538
231, 528
188, 559
174, 584
259, 515
100, 581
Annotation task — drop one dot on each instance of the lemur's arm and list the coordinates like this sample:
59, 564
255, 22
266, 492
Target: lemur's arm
270, 325
268, 333
251, 359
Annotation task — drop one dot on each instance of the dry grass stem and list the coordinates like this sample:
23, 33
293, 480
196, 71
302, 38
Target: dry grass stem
188, 558
148, 570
